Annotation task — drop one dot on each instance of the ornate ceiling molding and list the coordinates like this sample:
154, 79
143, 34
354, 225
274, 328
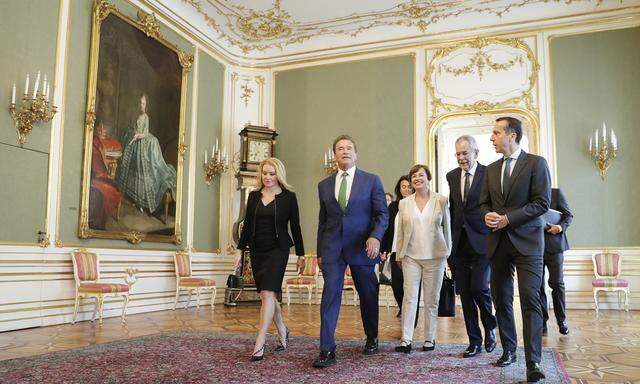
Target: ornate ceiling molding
260, 30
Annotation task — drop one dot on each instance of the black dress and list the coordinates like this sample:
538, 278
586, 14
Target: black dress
266, 235
268, 261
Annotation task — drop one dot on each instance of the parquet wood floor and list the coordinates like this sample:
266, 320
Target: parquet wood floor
599, 349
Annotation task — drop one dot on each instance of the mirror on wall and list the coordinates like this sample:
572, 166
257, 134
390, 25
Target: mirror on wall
448, 129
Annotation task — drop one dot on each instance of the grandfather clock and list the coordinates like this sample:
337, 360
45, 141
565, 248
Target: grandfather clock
256, 144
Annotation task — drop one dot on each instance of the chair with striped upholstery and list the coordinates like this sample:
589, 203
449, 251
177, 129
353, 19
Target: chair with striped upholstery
607, 267
186, 281
308, 278
86, 271
349, 284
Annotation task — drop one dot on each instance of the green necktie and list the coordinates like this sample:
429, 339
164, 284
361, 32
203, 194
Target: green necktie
342, 194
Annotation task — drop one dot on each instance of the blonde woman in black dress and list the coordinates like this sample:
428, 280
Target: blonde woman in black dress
270, 208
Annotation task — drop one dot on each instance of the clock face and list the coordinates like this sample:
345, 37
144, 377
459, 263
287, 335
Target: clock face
259, 150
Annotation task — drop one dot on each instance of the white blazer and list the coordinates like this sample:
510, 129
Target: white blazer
439, 230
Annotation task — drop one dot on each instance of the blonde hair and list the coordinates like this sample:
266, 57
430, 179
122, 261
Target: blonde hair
281, 174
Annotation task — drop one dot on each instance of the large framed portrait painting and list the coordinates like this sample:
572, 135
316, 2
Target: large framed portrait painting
134, 130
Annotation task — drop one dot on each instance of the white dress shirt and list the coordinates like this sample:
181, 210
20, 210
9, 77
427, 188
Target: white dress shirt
472, 172
514, 158
350, 174
417, 246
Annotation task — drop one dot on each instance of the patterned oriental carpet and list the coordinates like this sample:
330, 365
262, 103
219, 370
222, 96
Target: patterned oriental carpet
202, 357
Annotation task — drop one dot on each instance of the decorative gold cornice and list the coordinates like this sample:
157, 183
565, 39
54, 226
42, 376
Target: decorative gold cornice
182, 149
102, 10
149, 24
259, 30
186, 60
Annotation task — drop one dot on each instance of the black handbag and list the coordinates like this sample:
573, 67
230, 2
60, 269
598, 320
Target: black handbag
235, 281
447, 305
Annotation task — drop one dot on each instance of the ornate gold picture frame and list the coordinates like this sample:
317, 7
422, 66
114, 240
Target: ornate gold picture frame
134, 130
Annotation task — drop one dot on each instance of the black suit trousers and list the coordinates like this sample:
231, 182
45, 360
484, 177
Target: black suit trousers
554, 262
472, 279
506, 259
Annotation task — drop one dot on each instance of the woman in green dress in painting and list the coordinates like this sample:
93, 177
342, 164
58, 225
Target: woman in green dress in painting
143, 175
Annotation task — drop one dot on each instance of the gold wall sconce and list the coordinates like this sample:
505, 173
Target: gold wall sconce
32, 110
215, 164
604, 150
330, 165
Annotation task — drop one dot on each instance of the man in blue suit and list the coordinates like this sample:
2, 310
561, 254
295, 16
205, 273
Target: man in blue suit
352, 221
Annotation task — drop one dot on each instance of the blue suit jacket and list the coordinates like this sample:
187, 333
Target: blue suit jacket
345, 233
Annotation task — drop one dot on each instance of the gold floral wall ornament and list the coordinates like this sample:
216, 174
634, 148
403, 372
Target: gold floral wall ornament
186, 60
102, 10
525, 57
274, 28
480, 63
149, 24
135, 237
246, 93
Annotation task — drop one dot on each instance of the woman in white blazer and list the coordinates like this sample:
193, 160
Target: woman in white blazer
423, 244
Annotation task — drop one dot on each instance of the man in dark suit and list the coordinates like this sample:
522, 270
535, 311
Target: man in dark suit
555, 243
468, 256
515, 193
352, 221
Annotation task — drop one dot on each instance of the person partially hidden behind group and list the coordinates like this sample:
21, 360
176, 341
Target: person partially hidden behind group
423, 246
388, 244
270, 208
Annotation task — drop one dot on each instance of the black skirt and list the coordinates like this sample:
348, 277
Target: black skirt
268, 268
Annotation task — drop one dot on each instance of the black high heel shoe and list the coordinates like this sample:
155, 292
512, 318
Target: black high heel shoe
284, 346
254, 355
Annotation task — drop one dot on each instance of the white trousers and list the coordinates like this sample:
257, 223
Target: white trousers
431, 272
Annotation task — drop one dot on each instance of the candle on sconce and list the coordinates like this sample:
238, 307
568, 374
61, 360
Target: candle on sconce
604, 134
26, 85
13, 94
224, 154
205, 157
46, 94
614, 140
44, 85
590, 144
35, 87
596, 140
216, 148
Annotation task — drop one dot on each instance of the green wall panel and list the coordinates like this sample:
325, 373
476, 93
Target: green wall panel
596, 79
28, 44
373, 101
207, 198
24, 197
